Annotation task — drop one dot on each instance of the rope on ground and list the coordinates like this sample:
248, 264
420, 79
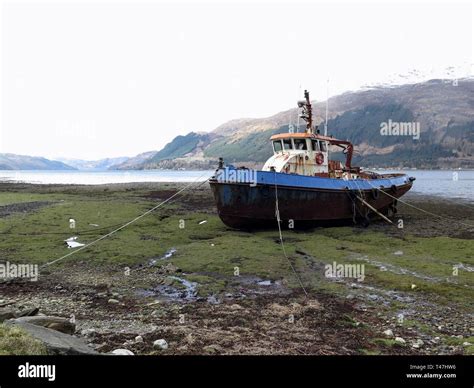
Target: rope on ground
277, 212
420, 209
126, 224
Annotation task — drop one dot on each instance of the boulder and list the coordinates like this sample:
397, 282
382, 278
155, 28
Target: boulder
29, 312
56, 343
55, 323
6, 313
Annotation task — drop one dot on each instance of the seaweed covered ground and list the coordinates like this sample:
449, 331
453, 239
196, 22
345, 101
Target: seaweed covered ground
179, 274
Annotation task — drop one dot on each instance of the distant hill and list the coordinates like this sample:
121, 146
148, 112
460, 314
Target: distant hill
101, 164
443, 109
133, 163
23, 162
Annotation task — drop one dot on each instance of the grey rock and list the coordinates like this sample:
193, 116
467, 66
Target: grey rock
55, 323
160, 344
6, 313
56, 343
27, 312
122, 352
400, 340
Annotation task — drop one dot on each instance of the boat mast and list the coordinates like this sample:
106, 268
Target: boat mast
307, 114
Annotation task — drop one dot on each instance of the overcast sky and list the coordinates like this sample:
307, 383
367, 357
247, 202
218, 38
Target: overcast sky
85, 80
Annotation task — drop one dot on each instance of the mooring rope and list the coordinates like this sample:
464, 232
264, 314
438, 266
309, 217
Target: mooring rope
128, 223
277, 212
420, 209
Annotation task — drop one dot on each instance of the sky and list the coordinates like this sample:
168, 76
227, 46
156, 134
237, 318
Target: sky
93, 80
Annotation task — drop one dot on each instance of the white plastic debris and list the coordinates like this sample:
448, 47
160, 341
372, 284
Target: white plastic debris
202, 222
72, 243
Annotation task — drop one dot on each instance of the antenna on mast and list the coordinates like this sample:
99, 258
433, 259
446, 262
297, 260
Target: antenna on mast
327, 102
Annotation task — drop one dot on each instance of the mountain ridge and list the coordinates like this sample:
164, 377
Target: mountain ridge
444, 109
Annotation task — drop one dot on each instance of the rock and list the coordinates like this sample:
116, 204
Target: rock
56, 343
113, 301
160, 344
169, 268
54, 323
122, 352
88, 332
400, 340
388, 333
27, 312
212, 349
6, 313
138, 339
417, 344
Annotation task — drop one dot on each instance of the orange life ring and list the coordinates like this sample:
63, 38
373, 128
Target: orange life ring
319, 158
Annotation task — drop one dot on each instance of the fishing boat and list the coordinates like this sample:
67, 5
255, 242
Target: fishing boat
299, 186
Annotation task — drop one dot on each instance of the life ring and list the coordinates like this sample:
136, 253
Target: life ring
319, 158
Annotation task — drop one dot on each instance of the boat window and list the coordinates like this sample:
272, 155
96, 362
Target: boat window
277, 147
287, 144
300, 144
323, 146
315, 145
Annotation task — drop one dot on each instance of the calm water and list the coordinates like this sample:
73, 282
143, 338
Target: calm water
451, 184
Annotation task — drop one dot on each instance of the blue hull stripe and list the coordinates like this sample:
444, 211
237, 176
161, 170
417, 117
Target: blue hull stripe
314, 182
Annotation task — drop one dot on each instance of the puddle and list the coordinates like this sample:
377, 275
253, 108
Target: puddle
465, 267
167, 255
398, 270
172, 293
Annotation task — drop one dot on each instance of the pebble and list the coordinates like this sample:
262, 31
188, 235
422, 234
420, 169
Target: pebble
122, 352
418, 344
400, 340
138, 339
160, 344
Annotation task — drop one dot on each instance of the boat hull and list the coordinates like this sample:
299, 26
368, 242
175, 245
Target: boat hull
245, 205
